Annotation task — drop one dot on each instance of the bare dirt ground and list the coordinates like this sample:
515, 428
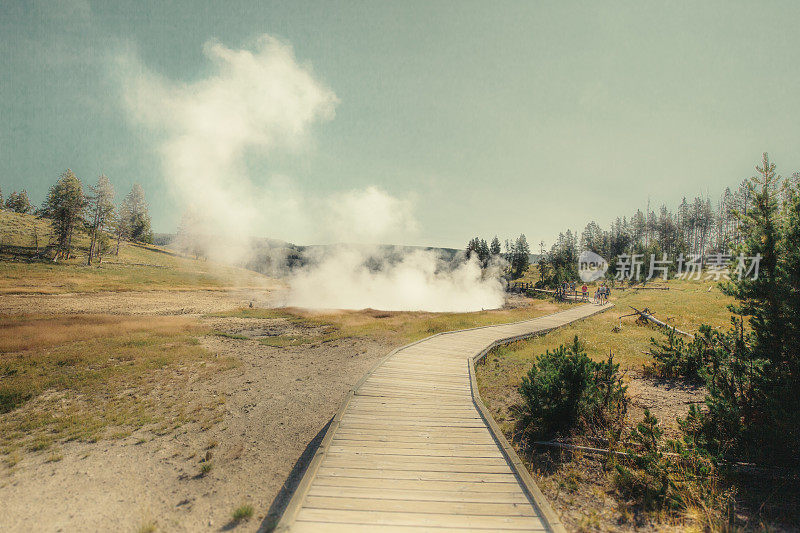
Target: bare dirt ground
166, 302
274, 405
666, 399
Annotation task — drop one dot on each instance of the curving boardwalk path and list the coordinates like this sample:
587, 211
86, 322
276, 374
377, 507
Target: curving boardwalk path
413, 449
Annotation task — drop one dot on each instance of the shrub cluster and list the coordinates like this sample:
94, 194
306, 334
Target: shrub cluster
672, 476
565, 390
676, 358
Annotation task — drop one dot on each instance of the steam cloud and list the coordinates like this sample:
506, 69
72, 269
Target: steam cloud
343, 281
254, 103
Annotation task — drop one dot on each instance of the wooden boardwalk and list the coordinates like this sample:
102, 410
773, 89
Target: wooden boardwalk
413, 449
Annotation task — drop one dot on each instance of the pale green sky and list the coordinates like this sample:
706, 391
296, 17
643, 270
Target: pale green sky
491, 117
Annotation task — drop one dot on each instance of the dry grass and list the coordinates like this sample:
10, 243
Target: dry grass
243, 512
28, 332
88, 377
399, 327
137, 267
24, 230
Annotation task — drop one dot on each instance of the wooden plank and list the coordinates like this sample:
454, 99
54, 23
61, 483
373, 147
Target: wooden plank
411, 446
398, 391
379, 518
360, 399
362, 464
419, 475
482, 487
361, 503
400, 451
411, 409
417, 384
427, 415
417, 373
420, 376
418, 438
513, 496
377, 414
414, 427
383, 392
344, 527
455, 464
438, 427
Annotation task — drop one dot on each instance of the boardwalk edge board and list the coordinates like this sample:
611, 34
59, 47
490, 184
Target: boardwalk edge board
552, 522
549, 516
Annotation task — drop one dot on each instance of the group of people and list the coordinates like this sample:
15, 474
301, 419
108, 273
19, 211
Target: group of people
601, 294
565, 290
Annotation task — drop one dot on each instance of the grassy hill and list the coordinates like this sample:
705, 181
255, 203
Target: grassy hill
137, 267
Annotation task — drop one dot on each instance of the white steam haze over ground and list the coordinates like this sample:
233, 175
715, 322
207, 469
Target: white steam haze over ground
258, 101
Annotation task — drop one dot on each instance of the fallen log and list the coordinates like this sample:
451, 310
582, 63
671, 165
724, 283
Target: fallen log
650, 318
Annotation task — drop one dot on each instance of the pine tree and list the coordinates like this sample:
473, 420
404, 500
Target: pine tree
121, 223
592, 238
12, 200
494, 248
101, 208
138, 217
789, 272
520, 256
19, 202
65, 204
760, 297
472, 248
753, 377
483, 253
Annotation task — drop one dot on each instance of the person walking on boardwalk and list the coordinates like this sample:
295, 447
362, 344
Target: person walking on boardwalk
585, 293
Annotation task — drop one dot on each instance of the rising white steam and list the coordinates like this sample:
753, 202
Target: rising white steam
253, 103
415, 283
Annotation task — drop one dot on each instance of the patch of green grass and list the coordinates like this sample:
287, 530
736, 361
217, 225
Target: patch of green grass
243, 512
205, 468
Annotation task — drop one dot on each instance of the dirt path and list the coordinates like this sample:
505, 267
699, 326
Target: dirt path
274, 403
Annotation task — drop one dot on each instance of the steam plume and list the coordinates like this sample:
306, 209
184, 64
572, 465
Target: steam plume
416, 283
253, 103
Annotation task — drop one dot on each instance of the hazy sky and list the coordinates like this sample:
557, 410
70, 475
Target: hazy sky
485, 117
